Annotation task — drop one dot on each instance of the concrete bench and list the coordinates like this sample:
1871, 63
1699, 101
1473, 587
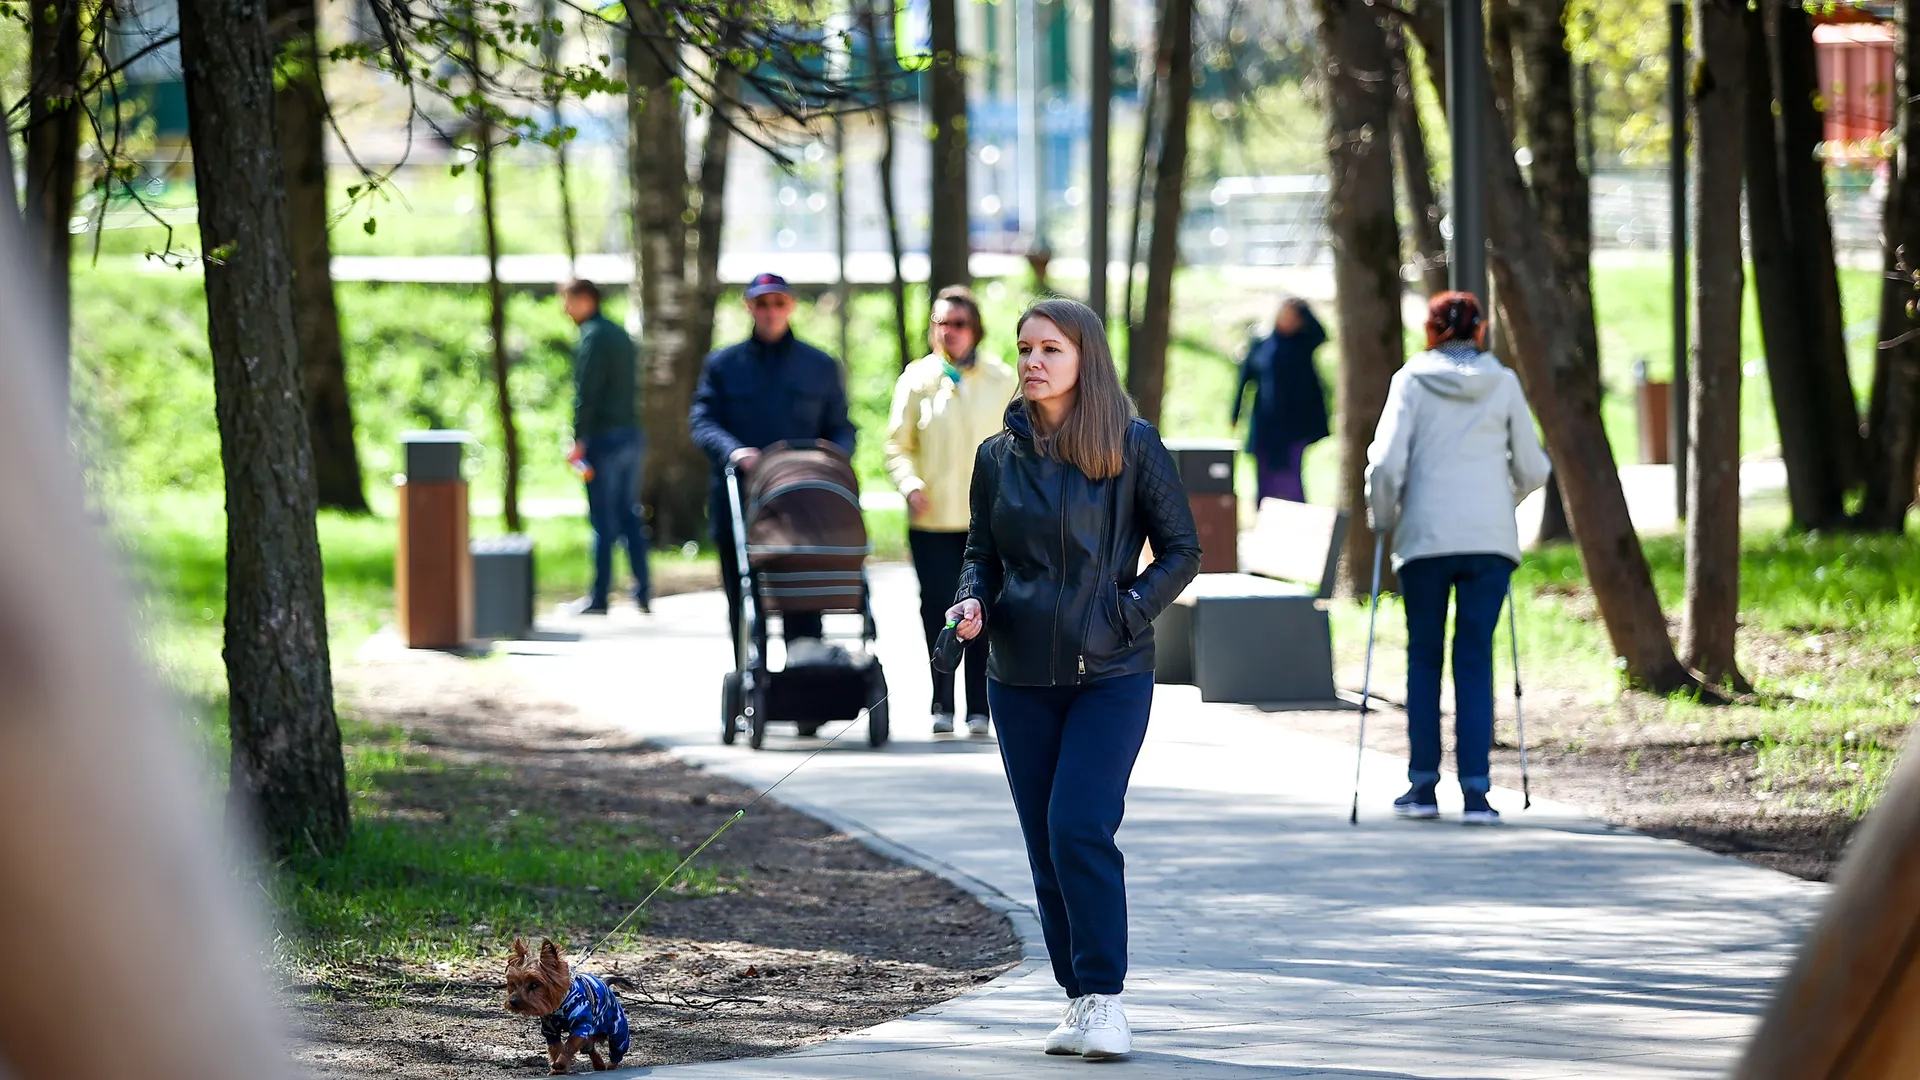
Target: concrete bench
1260, 635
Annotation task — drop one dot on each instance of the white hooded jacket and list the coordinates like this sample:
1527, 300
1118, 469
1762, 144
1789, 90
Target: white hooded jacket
1455, 452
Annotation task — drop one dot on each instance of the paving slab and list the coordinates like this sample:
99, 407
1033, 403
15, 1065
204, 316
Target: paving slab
1269, 937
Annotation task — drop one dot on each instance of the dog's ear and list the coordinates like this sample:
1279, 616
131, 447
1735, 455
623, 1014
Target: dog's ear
518, 953
552, 962
548, 950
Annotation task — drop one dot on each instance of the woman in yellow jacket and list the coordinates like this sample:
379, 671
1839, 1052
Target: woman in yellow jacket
944, 406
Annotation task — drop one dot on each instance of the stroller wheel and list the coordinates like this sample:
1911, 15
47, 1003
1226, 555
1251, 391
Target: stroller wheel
757, 723
879, 722
731, 706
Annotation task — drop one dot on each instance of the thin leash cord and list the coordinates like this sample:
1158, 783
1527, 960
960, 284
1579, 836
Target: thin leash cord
728, 824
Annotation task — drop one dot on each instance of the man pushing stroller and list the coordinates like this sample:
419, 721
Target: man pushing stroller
770, 388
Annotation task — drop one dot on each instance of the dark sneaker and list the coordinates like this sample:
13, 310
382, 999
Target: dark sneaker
1419, 803
584, 606
1478, 811
644, 604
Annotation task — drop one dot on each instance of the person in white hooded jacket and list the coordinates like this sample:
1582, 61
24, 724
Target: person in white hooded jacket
1453, 456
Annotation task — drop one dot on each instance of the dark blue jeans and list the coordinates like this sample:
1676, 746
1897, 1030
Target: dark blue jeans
613, 508
1069, 751
1478, 588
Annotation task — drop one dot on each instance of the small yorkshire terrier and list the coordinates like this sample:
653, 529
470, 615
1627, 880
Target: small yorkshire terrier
575, 1010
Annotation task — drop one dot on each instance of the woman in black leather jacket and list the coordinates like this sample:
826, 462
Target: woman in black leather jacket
1063, 501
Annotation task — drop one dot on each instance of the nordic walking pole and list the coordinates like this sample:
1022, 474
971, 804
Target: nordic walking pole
1366, 679
1519, 714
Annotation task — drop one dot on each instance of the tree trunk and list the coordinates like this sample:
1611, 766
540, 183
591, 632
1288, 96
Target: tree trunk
300, 110
883, 106
496, 293
11, 208
1143, 163
1713, 469
1147, 366
1814, 486
1503, 74
497, 327
712, 218
568, 234
1565, 395
550, 40
1802, 126
287, 768
1356, 69
1846, 1007
53, 148
948, 245
1416, 169
1893, 416
1561, 194
1100, 158
675, 487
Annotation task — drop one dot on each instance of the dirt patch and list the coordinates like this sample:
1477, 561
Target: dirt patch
819, 935
1629, 766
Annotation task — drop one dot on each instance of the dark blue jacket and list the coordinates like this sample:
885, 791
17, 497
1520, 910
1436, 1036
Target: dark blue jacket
759, 393
1289, 404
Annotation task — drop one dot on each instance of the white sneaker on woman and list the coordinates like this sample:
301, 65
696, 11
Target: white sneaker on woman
943, 723
979, 726
1071, 1036
1105, 1025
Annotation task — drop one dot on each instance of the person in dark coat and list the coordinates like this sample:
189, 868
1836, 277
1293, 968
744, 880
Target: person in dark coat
1063, 501
770, 388
1289, 404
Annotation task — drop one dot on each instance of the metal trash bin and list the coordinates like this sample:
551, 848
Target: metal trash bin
503, 586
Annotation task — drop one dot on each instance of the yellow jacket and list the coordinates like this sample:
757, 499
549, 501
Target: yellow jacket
935, 428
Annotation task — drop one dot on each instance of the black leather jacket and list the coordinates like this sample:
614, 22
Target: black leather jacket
1053, 557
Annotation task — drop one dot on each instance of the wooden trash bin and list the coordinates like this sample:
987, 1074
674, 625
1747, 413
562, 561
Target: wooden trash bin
1206, 471
433, 570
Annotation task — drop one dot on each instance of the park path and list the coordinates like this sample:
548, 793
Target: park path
1270, 938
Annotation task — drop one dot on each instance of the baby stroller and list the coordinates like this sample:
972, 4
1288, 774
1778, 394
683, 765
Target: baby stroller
802, 548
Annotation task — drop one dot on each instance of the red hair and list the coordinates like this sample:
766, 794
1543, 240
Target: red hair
1454, 316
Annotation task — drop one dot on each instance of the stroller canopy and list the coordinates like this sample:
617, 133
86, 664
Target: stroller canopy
806, 539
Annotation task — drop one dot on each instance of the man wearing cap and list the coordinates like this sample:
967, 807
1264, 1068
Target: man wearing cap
770, 388
608, 446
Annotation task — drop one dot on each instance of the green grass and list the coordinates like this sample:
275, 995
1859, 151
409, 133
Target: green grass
423, 887
440, 876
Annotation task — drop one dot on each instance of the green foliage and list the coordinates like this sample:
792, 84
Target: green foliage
1625, 42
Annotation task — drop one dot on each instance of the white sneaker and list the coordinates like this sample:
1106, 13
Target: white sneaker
1105, 1024
943, 723
978, 725
1071, 1036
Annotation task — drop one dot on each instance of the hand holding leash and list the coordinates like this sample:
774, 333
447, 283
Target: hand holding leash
948, 648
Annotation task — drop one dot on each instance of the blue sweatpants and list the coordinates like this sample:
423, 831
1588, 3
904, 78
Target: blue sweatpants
1477, 585
1069, 751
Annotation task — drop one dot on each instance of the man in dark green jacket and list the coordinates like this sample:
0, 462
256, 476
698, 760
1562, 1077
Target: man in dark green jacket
608, 446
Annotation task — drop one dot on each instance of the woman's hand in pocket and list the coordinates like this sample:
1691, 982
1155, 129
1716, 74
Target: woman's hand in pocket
970, 617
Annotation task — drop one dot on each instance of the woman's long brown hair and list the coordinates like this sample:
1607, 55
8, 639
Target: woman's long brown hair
1093, 438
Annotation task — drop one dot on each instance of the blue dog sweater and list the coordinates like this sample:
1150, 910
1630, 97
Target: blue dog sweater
590, 1011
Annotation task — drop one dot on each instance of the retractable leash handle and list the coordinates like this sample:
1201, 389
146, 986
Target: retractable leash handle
948, 648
